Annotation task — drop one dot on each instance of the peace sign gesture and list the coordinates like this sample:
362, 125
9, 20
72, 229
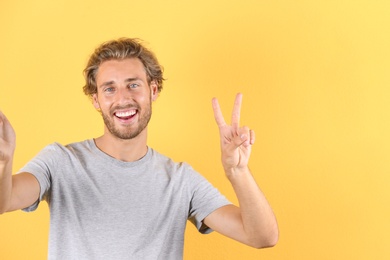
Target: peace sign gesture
236, 141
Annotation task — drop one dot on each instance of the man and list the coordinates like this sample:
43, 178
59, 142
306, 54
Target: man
113, 197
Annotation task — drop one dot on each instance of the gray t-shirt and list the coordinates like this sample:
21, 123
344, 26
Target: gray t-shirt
103, 208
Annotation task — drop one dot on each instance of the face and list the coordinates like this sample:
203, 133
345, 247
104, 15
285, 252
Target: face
124, 97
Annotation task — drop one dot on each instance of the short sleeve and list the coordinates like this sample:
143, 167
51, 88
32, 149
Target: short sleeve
42, 166
205, 199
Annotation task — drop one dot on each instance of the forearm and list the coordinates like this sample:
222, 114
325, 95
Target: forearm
258, 220
253, 223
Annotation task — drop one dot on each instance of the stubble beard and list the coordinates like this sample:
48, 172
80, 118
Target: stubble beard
128, 133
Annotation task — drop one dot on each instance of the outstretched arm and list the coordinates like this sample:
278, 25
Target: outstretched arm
253, 222
16, 191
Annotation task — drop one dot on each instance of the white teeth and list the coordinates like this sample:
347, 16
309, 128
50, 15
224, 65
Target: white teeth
125, 114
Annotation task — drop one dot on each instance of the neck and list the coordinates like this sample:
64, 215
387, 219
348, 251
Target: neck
127, 150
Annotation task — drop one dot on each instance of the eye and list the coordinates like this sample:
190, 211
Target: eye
133, 85
109, 89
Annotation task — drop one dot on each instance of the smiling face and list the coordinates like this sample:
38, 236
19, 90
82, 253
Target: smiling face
124, 97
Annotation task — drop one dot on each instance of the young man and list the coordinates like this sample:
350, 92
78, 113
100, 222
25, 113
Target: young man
114, 197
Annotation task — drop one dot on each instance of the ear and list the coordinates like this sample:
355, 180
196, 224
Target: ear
95, 101
154, 90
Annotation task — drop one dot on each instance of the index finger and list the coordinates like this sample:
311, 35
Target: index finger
218, 113
237, 111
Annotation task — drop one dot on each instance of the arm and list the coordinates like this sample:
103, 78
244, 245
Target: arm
253, 222
16, 191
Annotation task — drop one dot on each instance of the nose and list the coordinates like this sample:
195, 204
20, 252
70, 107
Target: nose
124, 96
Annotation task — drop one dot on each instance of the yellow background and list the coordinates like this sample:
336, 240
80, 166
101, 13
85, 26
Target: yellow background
315, 79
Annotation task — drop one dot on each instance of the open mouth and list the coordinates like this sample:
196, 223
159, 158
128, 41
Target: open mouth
125, 115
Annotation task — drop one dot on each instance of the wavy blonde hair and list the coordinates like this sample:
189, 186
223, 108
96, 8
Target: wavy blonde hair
120, 49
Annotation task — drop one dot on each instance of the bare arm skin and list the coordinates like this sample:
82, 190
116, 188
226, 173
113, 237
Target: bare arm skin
253, 222
16, 191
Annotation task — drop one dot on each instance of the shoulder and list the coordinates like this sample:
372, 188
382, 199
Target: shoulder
175, 168
56, 146
82, 145
57, 150
167, 162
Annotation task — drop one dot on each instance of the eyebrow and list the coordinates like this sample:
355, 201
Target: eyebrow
109, 83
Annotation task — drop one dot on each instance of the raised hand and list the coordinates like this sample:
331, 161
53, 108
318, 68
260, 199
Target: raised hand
7, 139
236, 141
